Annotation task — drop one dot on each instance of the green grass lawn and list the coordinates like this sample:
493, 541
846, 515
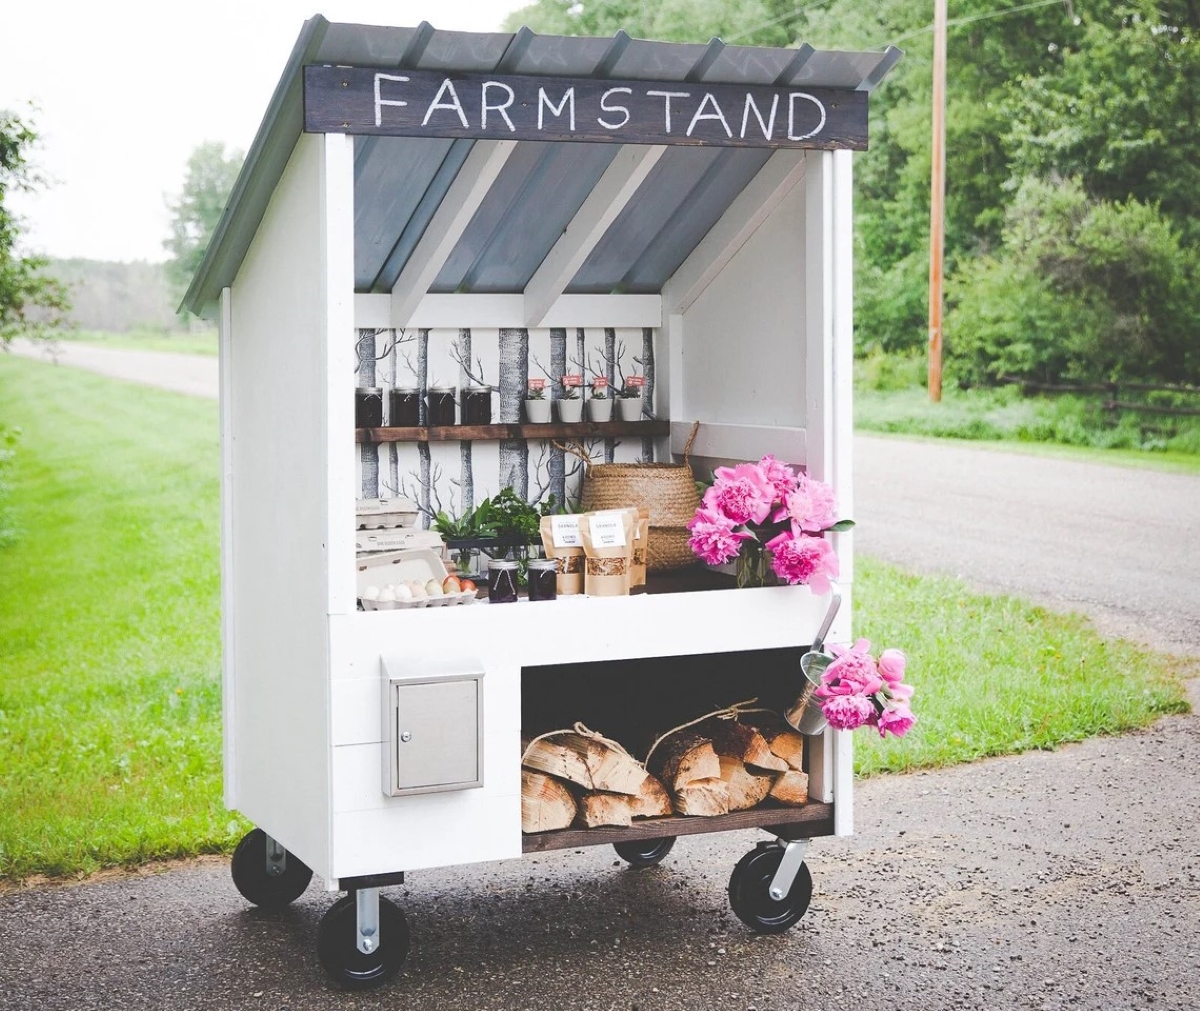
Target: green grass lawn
109, 634
109, 639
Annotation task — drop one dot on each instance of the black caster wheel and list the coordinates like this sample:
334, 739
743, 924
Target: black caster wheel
252, 879
645, 852
337, 945
749, 892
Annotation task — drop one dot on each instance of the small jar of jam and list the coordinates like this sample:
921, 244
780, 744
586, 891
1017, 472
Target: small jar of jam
502, 581
441, 405
368, 407
477, 405
543, 579
404, 407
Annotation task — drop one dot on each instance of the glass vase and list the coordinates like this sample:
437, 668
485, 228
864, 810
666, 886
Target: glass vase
752, 568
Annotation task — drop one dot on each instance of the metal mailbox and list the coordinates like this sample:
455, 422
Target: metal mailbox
432, 726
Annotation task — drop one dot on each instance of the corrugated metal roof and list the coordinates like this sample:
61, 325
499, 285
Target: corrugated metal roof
399, 182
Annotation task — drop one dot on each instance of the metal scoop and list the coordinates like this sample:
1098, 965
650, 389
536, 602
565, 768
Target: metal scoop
805, 714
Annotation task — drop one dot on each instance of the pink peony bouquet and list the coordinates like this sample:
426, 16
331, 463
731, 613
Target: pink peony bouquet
857, 690
763, 512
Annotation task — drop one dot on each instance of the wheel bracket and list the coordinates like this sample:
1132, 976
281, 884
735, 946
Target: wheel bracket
789, 867
276, 858
366, 904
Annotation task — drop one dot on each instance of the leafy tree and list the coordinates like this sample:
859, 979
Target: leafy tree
31, 302
1120, 112
197, 210
1081, 288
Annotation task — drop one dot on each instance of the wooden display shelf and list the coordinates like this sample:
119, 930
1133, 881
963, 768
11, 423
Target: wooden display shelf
812, 819
492, 433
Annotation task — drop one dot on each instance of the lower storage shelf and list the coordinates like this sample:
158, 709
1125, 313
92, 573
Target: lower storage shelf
805, 822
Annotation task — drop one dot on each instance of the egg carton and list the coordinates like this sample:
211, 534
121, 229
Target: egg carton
385, 513
395, 567
396, 540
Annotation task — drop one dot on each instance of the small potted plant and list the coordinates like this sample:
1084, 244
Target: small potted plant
537, 404
629, 401
570, 404
599, 405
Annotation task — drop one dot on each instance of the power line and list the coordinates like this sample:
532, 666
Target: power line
957, 22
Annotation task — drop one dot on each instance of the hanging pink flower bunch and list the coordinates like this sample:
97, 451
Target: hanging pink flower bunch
759, 511
857, 690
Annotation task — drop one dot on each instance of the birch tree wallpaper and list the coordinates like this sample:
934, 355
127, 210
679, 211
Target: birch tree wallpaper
454, 475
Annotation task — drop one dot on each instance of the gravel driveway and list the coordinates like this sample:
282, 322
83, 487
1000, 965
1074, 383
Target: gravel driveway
1048, 880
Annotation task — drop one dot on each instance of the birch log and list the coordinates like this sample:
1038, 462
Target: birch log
514, 378
558, 369
368, 452
546, 804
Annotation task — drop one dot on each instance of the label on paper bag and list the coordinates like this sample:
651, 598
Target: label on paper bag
607, 530
564, 530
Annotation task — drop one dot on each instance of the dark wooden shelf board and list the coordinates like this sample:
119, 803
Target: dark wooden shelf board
492, 433
811, 819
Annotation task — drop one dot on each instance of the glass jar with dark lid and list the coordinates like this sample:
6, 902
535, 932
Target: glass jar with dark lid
441, 405
502, 581
543, 579
477, 405
404, 407
368, 407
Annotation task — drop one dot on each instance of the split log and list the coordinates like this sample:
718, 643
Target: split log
785, 743
546, 804
652, 800
790, 788
702, 797
596, 809
554, 757
684, 758
588, 762
743, 741
747, 788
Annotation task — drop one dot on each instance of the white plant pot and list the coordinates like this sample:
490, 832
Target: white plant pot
570, 411
600, 410
538, 411
629, 408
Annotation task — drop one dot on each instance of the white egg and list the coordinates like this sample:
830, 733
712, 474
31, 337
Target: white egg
403, 592
371, 593
386, 595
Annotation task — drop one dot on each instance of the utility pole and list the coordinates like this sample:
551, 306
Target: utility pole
937, 200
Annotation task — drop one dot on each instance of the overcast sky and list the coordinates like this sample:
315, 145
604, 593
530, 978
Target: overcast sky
125, 90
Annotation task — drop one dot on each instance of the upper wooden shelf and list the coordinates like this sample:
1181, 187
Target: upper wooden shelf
485, 433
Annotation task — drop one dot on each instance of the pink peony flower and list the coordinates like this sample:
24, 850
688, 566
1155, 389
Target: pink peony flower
812, 507
848, 712
891, 666
781, 477
803, 560
714, 539
852, 672
742, 493
897, 719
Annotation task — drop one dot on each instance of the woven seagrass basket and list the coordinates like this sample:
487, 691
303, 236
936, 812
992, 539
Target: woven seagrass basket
667, 490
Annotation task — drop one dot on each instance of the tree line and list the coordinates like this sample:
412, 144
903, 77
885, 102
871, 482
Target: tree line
1072, 164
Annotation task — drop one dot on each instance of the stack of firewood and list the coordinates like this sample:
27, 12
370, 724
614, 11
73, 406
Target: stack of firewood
711, 768
578, 777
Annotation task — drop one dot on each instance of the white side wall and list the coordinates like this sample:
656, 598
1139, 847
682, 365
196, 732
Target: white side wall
743, 350
277, 495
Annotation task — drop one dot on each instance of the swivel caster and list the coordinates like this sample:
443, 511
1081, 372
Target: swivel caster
645, 852
362, 940
265, 873
765, 900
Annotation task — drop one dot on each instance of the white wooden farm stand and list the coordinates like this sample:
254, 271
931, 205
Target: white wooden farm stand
735, 258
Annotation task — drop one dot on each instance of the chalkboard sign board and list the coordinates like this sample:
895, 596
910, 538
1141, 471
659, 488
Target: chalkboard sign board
414, 103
